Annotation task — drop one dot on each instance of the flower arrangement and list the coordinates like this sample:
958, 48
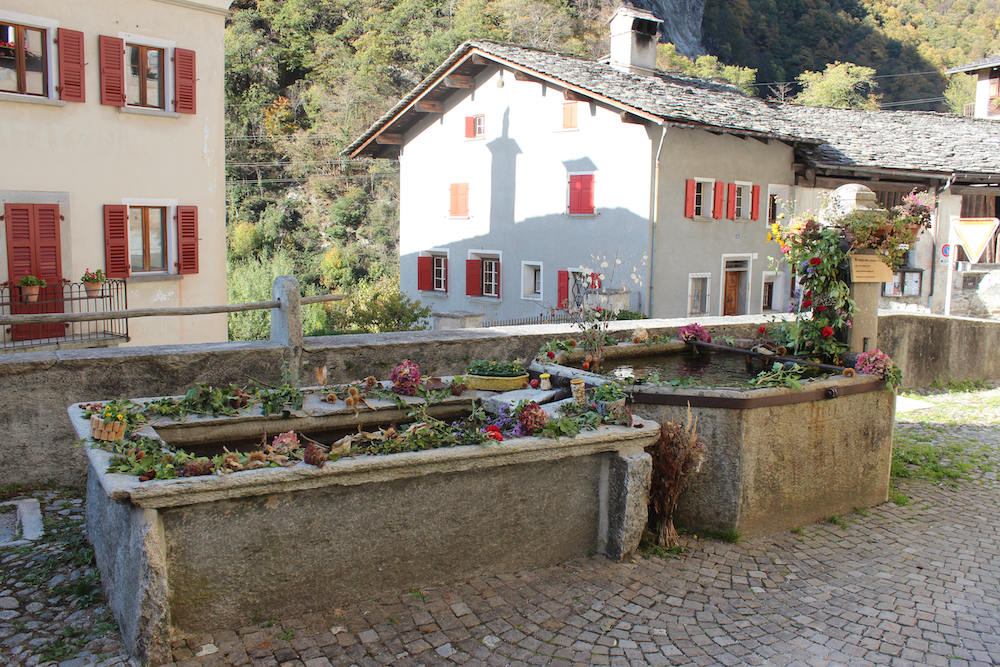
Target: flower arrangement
92, 276
531, 417
608, 392
877, 362
496, 368
31, 281
405, 378
693, 332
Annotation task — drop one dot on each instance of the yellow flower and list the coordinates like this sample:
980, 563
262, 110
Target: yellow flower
120, 417
769, 237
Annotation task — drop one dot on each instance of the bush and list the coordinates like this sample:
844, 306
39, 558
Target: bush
252, 280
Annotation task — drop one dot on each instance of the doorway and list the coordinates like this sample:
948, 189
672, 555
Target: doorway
734, 286
34, 248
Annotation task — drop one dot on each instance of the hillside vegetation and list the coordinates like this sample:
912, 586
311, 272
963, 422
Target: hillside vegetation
305, 77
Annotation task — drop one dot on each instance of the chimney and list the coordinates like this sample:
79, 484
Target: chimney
634, 34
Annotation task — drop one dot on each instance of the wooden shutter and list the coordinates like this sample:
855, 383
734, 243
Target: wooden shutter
755, 202
185, 81
19, 219
116, 241
187, 239
425, 273
718, 198
581, 193
47, 245
731, 202
72, 86
474, 277
562, 290
111, 51
569, 115
595, 281
499, 281
689, 194
458, 206
470, 127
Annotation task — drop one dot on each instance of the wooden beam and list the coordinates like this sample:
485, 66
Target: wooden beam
524, 76
479, 60
632, 118
575, 96
458, 81
430, 106
391, 138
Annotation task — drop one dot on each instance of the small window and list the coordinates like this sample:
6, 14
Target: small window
147, 238
698, 295
475, 126
581, 194
703, 199
459, 200
531, 280
491, 276
741, 201
23, 60
569, 121
767, 298
772, 208
440, 273
144, 76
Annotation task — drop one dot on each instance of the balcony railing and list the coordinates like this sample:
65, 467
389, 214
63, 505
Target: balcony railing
65, 298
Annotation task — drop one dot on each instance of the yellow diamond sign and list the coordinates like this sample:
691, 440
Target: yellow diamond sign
974, 234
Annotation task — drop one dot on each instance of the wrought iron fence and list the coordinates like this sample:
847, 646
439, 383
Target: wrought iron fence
542, 318
64, 298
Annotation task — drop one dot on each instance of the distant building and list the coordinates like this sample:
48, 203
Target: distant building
528, 177
987, 73
113, 156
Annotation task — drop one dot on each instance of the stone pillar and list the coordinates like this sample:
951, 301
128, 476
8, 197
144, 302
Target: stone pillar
286, 321
628, 482
863, 334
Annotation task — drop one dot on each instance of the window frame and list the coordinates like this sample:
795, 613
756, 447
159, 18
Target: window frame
891, 292
532, 276
437, 256
490, 265
768, 277
743, 203
699, 212
144, 50
484, 255
707, 296
166, 73
170, 239
49, 28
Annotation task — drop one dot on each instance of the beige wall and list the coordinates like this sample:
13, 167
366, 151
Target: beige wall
91, 155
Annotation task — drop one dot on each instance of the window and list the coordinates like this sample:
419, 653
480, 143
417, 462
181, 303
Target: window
702, 198
767, 296
147, 238
440, 273
531, 280
24, 59
772, 208
581, 194
698, 284
482, 275
491, 276
741, 201
701, 195
144, 76
458, 206
432, 272
904, 283
569, 116
475, 126
993, 99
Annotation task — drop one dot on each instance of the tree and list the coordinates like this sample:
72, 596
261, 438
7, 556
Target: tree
706, 67
841, 85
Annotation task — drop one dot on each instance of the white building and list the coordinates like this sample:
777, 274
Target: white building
987, 73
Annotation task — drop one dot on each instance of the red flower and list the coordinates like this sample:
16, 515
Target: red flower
762, 330
815, 261
493, 431
597, 308
552, 355
820, 308
534, 383
826, 332
807, 303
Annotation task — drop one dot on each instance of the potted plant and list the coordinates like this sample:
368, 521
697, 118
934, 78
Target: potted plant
609, 399
495, 375
30, 286
93, 282
110, 421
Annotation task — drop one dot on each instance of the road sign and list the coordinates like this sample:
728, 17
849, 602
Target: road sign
975, 233
946, 250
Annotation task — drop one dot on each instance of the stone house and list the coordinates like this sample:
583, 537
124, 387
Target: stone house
987, 73
112, 117
529, 177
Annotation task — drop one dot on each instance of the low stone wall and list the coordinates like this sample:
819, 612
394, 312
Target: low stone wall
931, 348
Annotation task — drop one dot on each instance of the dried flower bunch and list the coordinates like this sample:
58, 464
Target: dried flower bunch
405, 378
693, 332
877, 362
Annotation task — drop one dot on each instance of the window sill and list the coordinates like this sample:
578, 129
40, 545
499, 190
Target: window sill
441, 294
531, 297
702, 218
567, 129
486, 299
31, 99
458, 217
152, 277
143, 111
583, 215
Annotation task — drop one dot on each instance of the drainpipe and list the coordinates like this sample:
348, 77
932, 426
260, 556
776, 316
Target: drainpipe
656, 215
951, 245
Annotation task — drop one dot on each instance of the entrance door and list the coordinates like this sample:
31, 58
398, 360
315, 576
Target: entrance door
33, 248
731, 295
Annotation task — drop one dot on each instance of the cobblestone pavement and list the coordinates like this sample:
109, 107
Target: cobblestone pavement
916, 582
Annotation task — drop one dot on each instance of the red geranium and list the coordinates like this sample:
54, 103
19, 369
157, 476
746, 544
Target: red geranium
820, 308
807, 303
762, 330
493, 431
826, 332
816, 260
552, 355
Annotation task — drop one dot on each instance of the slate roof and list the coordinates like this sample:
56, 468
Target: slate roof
896, 140
991, 61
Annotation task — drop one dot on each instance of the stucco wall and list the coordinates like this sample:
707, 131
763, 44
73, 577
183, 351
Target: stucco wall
684, 246
518, 193
95, 155
982, 109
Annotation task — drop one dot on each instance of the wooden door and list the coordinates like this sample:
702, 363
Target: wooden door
33, 247
731, 295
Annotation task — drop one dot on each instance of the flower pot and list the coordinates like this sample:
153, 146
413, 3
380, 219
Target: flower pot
495, 383
109, 431
612, 408
93, 289
29, 293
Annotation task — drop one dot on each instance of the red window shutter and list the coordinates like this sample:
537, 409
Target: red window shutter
595, 281
755, 202
425, 273
470, 127
689, 191
71, 66
499, 275
47, 245
718, 197
112, 58
474, 277
581, 194
562, 291
116, 241
19, 220
185, 81
731, 202
187, 239
445, 274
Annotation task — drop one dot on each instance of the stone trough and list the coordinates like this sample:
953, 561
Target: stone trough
182, 555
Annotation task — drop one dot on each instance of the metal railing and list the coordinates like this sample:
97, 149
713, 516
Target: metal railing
542, 318
62, 304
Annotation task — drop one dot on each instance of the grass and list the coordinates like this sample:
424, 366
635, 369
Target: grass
67, 643
928, 453
862, 511
837, 521
731, 536
898, 497
286, 635
418, 595
650, 549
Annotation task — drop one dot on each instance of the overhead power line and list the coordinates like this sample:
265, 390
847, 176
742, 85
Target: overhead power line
904, 103
879, 76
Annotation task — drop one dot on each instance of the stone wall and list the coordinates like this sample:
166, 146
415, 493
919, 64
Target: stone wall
931, 348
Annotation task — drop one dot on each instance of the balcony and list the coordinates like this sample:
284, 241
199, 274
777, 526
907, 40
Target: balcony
70, 298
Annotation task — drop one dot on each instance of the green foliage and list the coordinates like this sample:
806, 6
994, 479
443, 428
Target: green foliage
706, 67
779, 376
252, 280
276, 400
495, 368
843, 85
31, 281
630, 315
608, 391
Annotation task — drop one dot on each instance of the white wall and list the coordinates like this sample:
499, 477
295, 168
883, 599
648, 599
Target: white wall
982, 108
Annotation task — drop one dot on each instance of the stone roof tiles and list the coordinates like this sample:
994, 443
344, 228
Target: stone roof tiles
991, 61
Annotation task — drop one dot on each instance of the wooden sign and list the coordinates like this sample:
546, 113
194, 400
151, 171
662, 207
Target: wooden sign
869, 269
